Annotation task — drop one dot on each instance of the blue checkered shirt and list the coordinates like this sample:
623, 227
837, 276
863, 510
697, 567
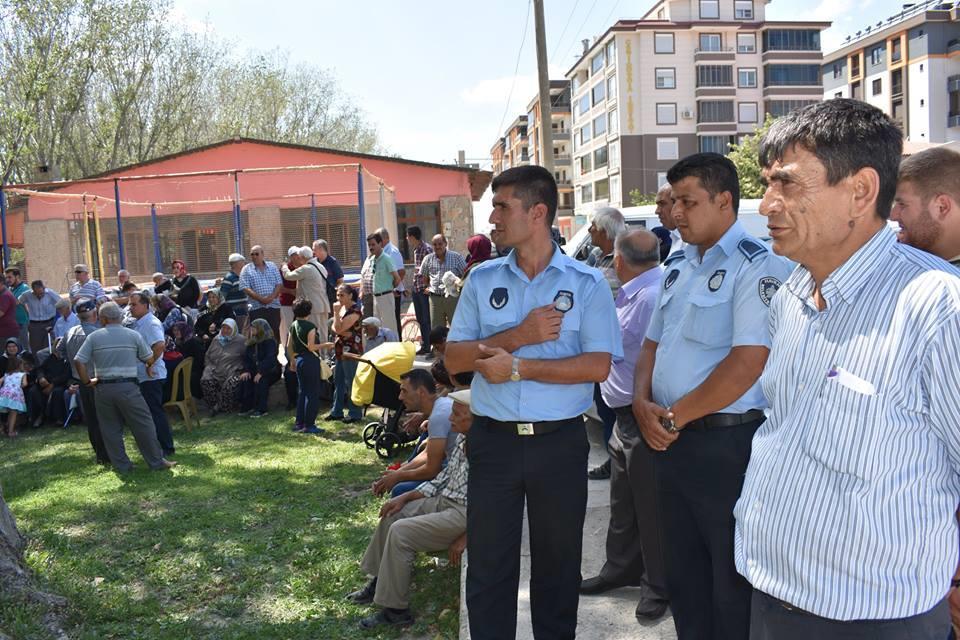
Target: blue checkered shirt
262, 282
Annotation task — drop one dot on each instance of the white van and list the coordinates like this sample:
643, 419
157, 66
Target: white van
579, 246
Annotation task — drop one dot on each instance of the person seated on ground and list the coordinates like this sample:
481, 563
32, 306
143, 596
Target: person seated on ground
186, 289
418, 393
303, 354
167, 312
347, 347
431, 518
260, 369
439, 372
438, 341
223, 364
161, 283
375, 334
211, 318
66, 319
45, 394
183, 344
12, 385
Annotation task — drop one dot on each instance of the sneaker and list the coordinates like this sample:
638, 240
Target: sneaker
330, 417
258, 414
314, 430
388, 617
601, 472
364, 595
245, 412
297, 427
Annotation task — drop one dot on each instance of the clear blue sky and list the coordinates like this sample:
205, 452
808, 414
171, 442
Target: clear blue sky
435, 75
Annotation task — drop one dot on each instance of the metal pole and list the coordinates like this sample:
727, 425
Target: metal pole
156, 238
383, 213
116, 200
96, 229
546, 113
237, 226
3, 227
363, 214
86, 234
313, 216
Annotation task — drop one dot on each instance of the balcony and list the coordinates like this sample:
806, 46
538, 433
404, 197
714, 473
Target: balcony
725, 54
792, 56
953, 46
953, 84
715, 92
953, 121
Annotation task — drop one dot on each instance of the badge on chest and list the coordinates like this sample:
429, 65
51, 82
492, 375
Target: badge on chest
563, 301
716, 280
499, 298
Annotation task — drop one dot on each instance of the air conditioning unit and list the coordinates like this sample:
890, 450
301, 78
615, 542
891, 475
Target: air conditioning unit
687, 114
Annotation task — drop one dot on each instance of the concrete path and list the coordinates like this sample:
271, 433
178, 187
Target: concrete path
609, 616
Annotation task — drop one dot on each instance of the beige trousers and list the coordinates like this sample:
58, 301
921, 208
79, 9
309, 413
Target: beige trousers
429, 524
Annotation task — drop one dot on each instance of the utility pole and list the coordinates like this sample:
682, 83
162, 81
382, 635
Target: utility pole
546, 112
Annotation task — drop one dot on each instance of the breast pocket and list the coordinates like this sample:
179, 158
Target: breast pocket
493, 321
846, 433
709, 319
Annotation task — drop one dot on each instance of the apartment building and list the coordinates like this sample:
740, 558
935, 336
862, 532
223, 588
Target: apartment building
513, 149
689, 76
907, 65
562, 142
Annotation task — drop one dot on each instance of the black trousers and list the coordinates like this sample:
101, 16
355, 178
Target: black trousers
634, 546
549, 473
699, 479
89, 408
771, 620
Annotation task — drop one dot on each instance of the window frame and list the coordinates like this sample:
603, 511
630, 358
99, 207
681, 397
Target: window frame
673, 75
740, 70
715, 3
747, 17
668, 140
710, 35
756, 112
666, 104
673, 43
752, 36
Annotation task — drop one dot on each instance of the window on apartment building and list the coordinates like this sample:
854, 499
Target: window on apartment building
601, 189
709, 9
663, 43
715, 144
662, 14
668, 149
586, 193
600, 158
661, 178
596, 63
876, 87
600, 125
575, 83
953, 101
611, 52
837, 69
666, 78
791, 75
613, 151
743, 9
896, 82
778, 108
666, 113
599, 92
791, 40
856, 91
585, 133
715, 111
747, 112
709, 42
613, 122
877, 55
746, 43
615, 194
586, 163
896, 52
897, 112
612, 88
713, 75
746, 78
838, 94
584, 103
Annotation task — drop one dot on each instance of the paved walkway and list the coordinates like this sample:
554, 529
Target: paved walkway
609, 616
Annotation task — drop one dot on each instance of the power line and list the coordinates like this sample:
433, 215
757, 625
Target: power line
587, 17
556, 44
516, 68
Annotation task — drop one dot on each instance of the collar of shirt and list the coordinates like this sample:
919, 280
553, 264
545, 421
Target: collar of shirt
631, 288
727, 244
849, 278
556, 262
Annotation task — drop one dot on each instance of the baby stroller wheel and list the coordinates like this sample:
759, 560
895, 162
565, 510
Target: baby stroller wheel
386, 444
370, 434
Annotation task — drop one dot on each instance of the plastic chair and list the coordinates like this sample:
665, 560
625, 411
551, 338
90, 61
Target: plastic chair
187, 406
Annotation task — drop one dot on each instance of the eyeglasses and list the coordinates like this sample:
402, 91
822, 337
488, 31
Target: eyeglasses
255, 253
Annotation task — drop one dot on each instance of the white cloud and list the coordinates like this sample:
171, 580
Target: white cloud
496, 90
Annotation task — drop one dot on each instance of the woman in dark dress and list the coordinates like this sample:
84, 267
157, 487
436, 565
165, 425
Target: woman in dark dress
261, 369
183, 344
211, 318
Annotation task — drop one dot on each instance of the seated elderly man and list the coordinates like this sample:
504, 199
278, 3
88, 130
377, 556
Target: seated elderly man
375, 334
431, 518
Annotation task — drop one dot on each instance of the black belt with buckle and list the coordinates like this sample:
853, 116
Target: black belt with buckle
117, 381
724, 420
529, 428
44, 321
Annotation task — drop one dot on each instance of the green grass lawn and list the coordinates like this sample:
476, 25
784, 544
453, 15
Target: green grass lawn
257, 534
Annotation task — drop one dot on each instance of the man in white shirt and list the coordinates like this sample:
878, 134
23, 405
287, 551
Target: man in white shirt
397, 258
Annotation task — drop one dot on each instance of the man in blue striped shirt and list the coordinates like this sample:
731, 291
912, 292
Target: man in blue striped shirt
846, 523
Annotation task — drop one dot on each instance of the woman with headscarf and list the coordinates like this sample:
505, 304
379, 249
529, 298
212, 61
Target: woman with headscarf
186, 289
9, 360
223, 364
211, 317
260, 370
184, 344
478, 251
168, 313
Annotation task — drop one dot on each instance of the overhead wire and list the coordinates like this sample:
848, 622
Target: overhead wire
513, 81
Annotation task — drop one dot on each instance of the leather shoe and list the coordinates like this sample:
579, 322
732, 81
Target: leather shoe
601, 472
597, 584
365, 594
649, 609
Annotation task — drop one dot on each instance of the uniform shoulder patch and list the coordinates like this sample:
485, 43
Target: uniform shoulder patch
766, 288
751, 249
673, 257
670, 279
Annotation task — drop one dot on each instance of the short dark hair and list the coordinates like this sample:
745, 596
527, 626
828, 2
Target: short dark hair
438, 371
354, 294
420, 379
13, 271
438, 335
463, 379
414, 232
716, 173
128, 286
302, 308
532, 185
375, 236
933, 171
37, 283
28, 358
846, 136
142, 297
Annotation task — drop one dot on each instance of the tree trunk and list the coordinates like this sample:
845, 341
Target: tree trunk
15, 580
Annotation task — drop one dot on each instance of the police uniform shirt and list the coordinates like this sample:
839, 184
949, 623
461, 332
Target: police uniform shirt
707, 307
499, 296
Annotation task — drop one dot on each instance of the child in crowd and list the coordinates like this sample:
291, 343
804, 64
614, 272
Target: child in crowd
12, 398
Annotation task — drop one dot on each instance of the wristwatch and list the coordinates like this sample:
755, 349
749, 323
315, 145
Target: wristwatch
669, 424
515, 371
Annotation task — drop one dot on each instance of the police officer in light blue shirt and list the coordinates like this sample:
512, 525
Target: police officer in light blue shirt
539, 329
697, 398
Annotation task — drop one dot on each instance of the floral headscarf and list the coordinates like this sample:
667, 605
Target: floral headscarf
229, 322
261, 331
213, 293
164, 303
